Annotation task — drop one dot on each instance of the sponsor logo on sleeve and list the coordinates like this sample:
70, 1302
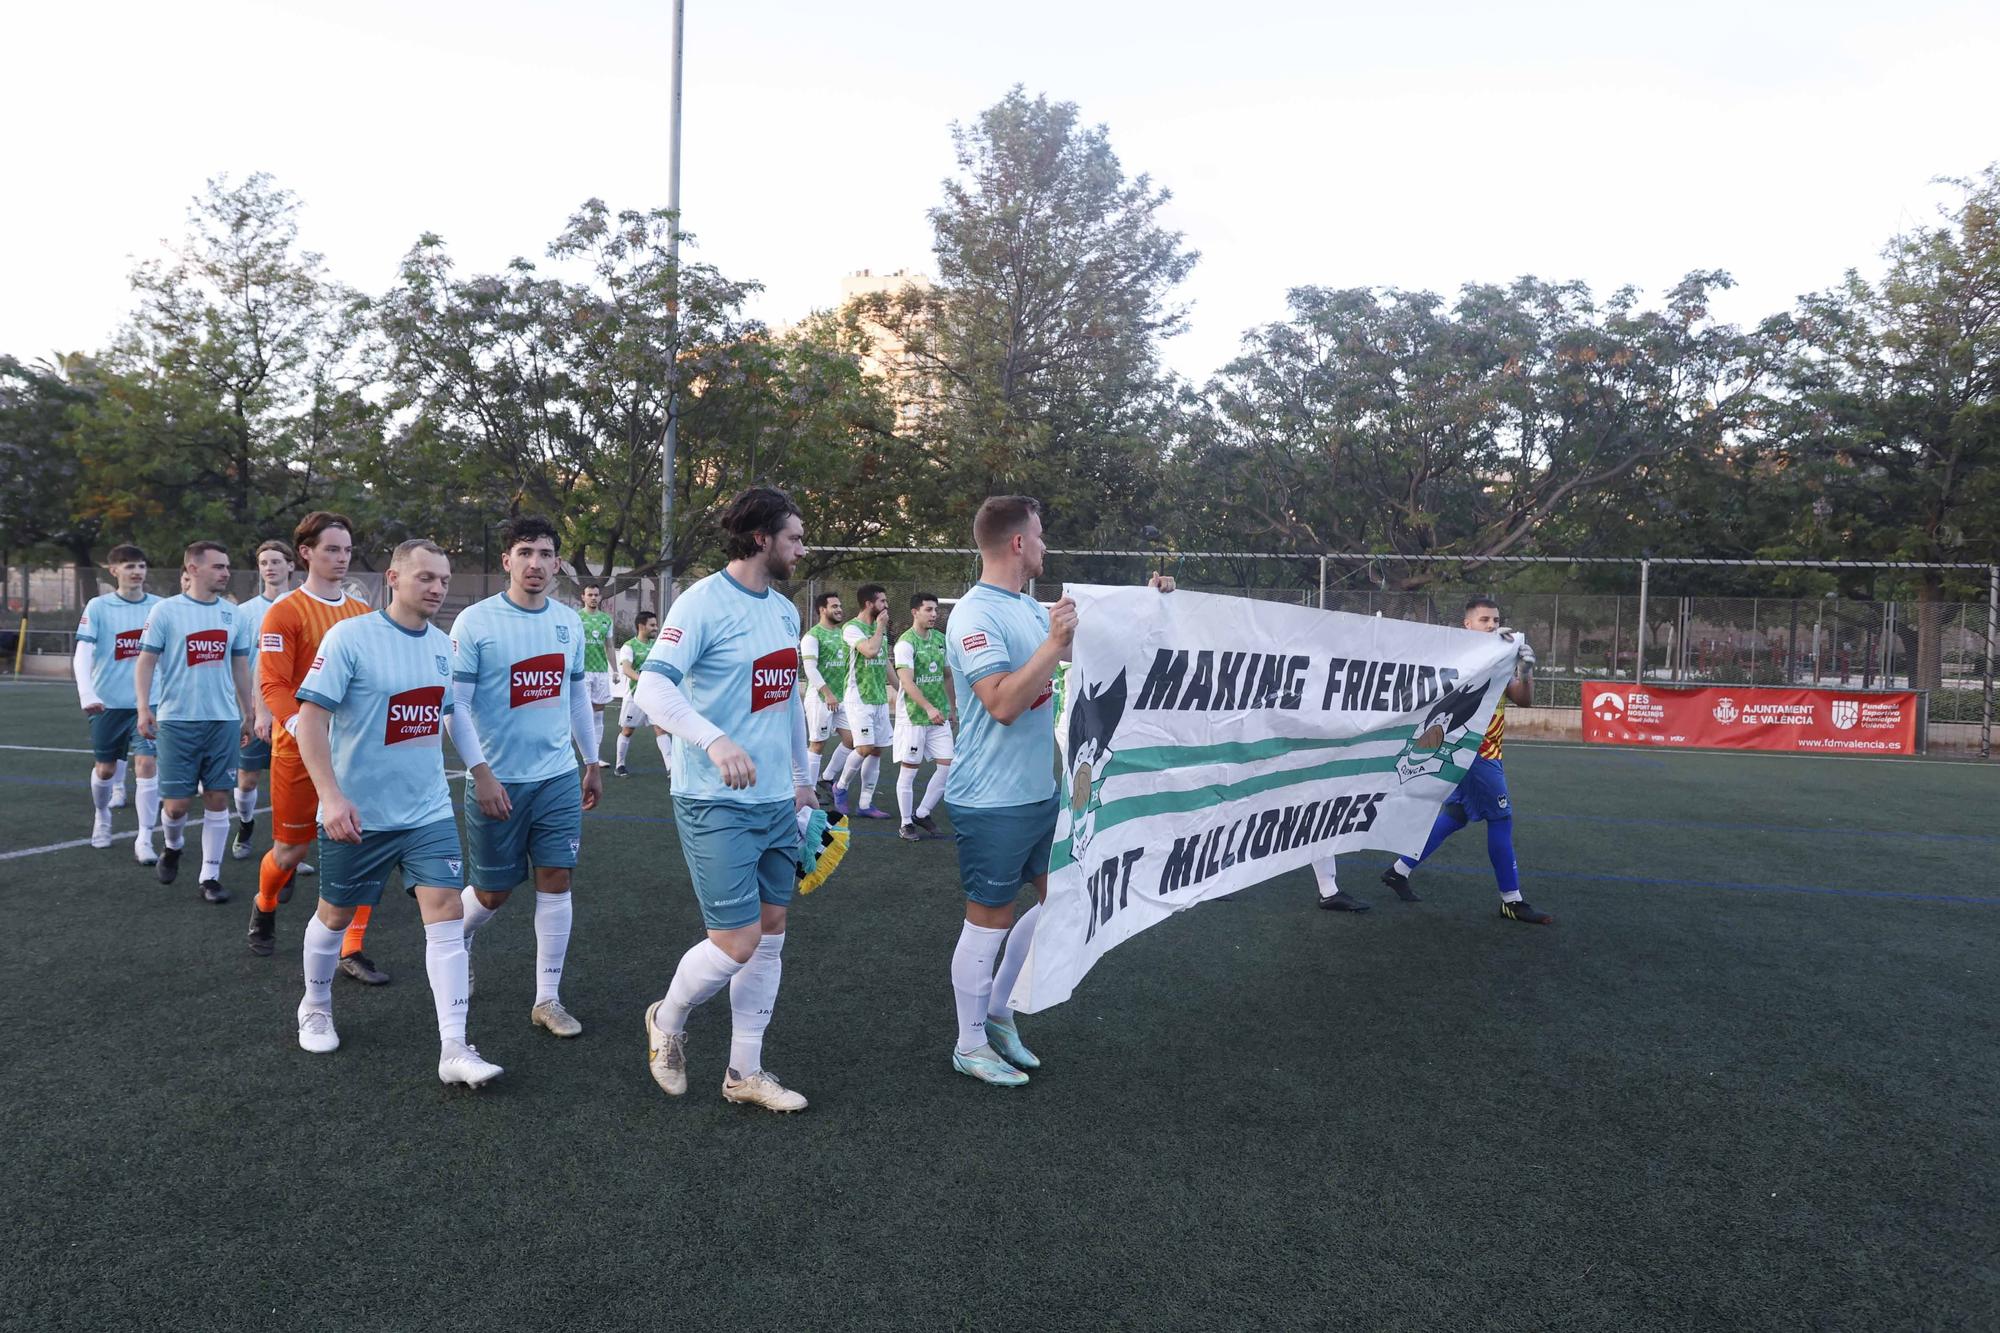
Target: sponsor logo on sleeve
319, 660
125, 645
536, 681
972, 643
271, 643
415, 715
671, 634
206, 647
772, 678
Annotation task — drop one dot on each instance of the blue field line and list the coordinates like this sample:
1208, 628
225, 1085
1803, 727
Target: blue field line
1769, 828
1652, 881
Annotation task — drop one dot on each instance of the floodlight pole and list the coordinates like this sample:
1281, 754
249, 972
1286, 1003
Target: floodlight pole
672, 440
1992, 631
1645, 581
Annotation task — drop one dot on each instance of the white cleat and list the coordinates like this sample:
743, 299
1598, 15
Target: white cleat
666, 1054
316, 1032
559, 1021
142, 850
460, 1062
100, 831
118, 797
761, 1089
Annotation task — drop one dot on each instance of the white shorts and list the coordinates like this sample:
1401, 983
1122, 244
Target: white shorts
914, 744
869, 723
599, 685
631, 715
821, 721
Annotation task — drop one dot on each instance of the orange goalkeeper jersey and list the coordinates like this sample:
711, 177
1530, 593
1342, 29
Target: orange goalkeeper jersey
286, 647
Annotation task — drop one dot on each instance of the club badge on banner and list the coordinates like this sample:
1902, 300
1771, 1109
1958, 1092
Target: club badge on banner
1209, 743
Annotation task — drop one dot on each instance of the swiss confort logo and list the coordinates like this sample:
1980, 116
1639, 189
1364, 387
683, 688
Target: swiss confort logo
772, 677
126, 644
207, 646
415, 715
538, 680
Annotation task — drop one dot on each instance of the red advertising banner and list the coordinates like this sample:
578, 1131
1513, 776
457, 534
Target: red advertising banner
1804, 720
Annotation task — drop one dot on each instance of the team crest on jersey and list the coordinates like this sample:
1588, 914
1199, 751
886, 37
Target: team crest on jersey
772, 678
562, 633
126, 644
1442, 734
206, 647
536, 681
415, 715
444, 666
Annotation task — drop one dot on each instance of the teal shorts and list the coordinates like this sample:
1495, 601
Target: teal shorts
256, 756
1002, 848
546, 828
351, 874
740, 856
197, 756
114, 733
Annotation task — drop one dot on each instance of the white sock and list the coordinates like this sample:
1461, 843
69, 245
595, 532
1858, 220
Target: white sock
597, 721
552, 918
1323, 873
624, 749
704, 970
933, 791
906, 792
174, 825
836, 766
1018, 940
148, 796
100, 795
214, 841
871, 769
848, 771
1403, 868
972, 981
322, 957
246, 804
450, 973
666, 745
118, 774
477, 913
753, 994
1512, 896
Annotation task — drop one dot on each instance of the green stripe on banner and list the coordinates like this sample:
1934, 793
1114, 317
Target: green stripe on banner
1113, 813
1159, 758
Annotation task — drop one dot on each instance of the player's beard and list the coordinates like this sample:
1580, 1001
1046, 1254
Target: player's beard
777, 568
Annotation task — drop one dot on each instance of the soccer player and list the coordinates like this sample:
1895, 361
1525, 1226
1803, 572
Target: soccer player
287, 643
1483, 793
370, 732
274, 575
632, 656
823, 657
107, 648
866, 700
1002, 797
518, 677
191, 685
597, 673
724, 682
923, 723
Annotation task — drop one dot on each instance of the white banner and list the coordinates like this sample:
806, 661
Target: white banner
1210, 743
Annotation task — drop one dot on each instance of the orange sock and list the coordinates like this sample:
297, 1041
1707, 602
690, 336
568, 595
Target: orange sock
270, 879
357, 931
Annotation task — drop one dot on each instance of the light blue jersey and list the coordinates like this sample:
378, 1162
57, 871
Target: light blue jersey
522, 666
194, 680
389, 690
254, 610
735, 655
114, 626
993, 630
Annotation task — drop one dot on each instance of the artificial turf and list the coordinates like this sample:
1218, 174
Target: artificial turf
1748, 1080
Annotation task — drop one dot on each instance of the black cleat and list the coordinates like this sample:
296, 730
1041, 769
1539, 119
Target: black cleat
929, 825
245, 830
356, 965
621, 772
213, 892
1522, 910
263, 932
908, 833
169, 868
1342, 902
1401, 884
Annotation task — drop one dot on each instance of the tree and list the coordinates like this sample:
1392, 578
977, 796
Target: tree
42, 478
1034, 360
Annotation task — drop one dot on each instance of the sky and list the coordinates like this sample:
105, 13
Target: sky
1421, 145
